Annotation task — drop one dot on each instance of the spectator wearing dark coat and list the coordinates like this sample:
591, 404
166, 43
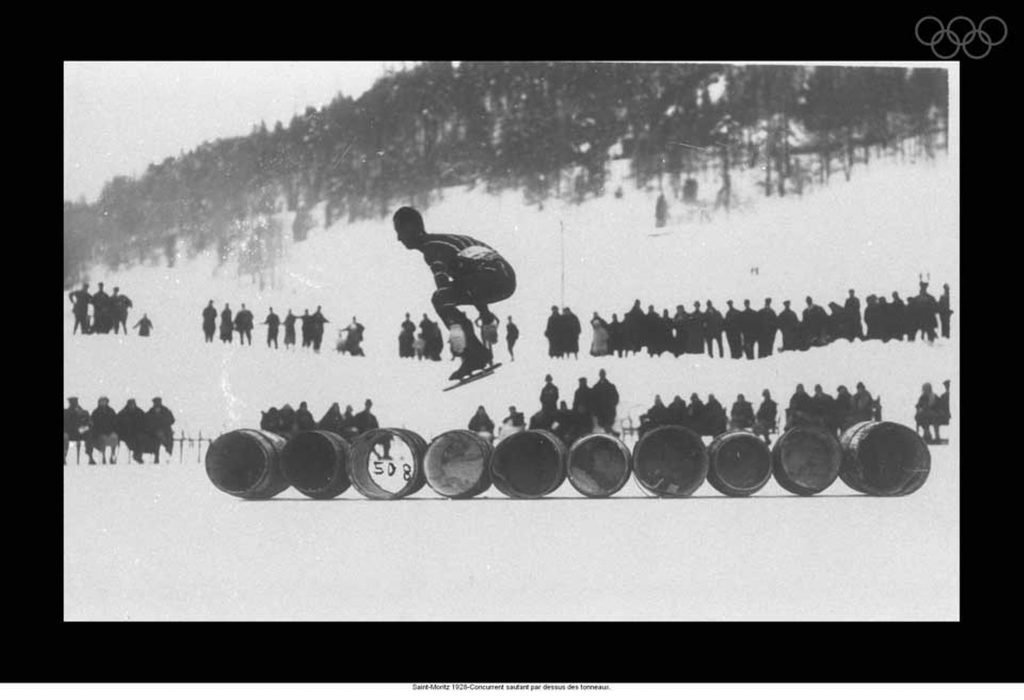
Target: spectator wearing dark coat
696, 414
633, 328
272, 322
789, 325
120, 304
714, 323
853, 320
349, 429
144, 325
733, 331
767, 415
863, 405
768, 324
616, 336
843, 408
365, 420
944, 311
306, 328
680, 322
103, 317
130, 425
289, 329
572, 332
316, 329
657, 415
209, 322
481, 422
553, 332
157, 430
270, 420
80, 299
928, 413
871, 329
286, 421
76, 421
606, 401
511, 336
332, 421
695, 331
925, 310
899, 323
549, 394
227, 324
741, 417
652, 332
406, 338
303, 418
824, 407
677, 411
244, 324
801, 409
715, 421
751, 328
103, 432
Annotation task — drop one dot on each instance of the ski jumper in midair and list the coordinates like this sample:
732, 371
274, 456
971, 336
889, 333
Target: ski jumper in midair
467, 272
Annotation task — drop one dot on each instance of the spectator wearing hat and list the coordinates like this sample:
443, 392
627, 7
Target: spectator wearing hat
766, 417
157, 430
76, 423
130, 425
103, 434
514, 422
549, 394
741, 416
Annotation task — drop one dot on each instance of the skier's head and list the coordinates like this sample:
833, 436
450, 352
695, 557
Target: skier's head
409, 226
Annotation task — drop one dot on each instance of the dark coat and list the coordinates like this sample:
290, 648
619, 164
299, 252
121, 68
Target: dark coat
481, 423
104, 420
549, 395
364, 421
130, 422
304, 419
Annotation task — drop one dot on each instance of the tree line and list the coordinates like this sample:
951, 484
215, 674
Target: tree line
549, 129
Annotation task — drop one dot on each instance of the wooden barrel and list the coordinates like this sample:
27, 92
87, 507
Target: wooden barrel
670, 461
315, 462
739, 463
246, 463
387, 463
529, 464
805, 460
881, 458
599, 465
456, 464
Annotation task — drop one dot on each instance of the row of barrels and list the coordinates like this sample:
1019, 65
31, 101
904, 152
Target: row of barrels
874, 458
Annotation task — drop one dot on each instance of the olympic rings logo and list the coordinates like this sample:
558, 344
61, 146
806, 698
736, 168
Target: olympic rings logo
948, 35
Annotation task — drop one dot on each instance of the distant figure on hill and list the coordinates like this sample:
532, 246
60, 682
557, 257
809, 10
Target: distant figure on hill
407, 338
102, 316
316, 326
120, 305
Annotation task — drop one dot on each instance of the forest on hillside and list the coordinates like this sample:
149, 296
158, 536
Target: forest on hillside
549, 130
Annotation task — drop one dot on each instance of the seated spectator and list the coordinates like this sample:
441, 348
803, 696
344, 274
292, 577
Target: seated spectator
349, 429
332, 421
544, 419
863, 405
843, 408
481, 423
304, 419
767, 417
944, 405
130, 420
514, 422
677, 411
104, 432
286, 422
801, 409
741, 417
715, 421
695, 415
270, 420
157, 431
656, 415
824, 408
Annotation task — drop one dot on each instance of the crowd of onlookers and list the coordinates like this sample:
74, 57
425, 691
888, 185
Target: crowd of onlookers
287, 421
310, 328
750, 332
109, 312
143, 432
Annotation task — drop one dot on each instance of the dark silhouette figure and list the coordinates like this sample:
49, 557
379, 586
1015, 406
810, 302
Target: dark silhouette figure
289, 329
80, 300
481, 422
511, 336
272, 322
944, 311
227, 326
406, 338
549, 394
605, 399
768, 324
209, 322
144, 325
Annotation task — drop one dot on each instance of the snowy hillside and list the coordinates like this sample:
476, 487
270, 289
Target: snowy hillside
874, 233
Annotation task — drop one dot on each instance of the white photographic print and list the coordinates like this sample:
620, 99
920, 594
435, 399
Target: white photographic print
511, 341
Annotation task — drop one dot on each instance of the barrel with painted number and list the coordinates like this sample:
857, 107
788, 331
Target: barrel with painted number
246, 463
315, 462
530, 464
456, 464
739, 463
806, 460
387, 463
881, 458
670, 461
599, 465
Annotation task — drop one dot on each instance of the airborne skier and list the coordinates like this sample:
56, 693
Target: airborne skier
467, 272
